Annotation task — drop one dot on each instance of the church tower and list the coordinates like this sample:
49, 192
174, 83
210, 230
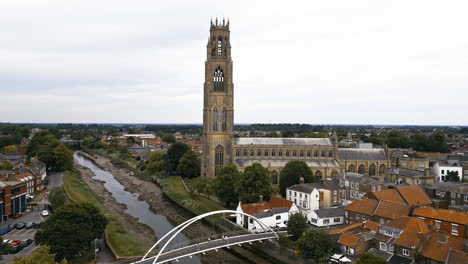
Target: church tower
218, 110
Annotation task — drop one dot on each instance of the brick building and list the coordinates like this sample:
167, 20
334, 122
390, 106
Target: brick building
452, 222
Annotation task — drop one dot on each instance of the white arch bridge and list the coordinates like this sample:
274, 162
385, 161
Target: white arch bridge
193, 247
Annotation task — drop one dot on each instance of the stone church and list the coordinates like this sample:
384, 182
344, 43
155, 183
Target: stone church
220, 147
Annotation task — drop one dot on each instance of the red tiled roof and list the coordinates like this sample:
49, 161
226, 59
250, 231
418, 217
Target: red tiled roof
438, 245
348, 239
442, 214
389, 195
414, 195
364, 206
275, 202
372, 226
341, 230
392, 210
414, 231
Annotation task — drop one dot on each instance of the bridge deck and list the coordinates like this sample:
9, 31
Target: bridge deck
208, 246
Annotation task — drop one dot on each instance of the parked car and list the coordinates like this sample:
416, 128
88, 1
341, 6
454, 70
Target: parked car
12, 226
26, 243
17, 215
5, 230
16, 242
37, 224
45, 213
29, 225
15, 249
20, 225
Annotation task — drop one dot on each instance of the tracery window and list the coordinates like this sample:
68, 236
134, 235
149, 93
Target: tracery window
323, 153
301, 154
330, 154
245, 153
273, 153
215, 119
316, 153
259, 153
237, 153
218, 80
308, 153
294, 153
280, 153
220, 46
219, 159
223, 116
266, 153
287, 153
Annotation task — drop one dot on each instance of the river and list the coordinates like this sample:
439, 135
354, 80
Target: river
135, 207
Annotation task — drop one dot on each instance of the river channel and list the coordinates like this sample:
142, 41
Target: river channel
135, 207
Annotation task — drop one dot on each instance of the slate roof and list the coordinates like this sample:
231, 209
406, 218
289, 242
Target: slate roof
380, 253
331, 185
315, 163
414, 195
284, 141
395, 259
269, 213
455, 187
361, 154
361, 179
405, 172
442, 214
306, 187
330, 212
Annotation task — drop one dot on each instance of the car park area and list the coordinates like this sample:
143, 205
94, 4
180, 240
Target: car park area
28, 225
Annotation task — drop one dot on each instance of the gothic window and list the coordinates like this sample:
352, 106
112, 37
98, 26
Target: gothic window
351, 168
220, 46
294, 153
266, 153
274, 177
287, 153
372, 170
330, 154
382, 170
215, 119
218, 80
219, 159
316, 153
302, 154
361, 169
280, 153
273, 153
251, 153
323, 153
259, 153
223, 116
245, 153
308, 153
237, 153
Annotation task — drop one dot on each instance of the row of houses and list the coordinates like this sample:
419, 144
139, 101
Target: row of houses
17, 183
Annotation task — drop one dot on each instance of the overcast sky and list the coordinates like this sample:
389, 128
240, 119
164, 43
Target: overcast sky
317, 62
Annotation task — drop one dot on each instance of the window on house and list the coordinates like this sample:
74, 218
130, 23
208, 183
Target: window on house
466, 198
326, 221
278, 217
358, 216
352, 185
373, 188
334, 199
379, 188
351, 194
363, 217
390, 248
251, 220
405, 252
289, 193
336, 220
453, 195
454, 229
383, 246
437, 224
442, 171
357, 186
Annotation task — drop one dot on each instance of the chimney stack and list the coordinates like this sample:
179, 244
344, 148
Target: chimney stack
301, 180
261, 199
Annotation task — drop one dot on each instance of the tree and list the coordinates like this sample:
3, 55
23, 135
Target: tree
169, 138
255, 181
368, 258
6, 166
155, 163
225, 185
10, 149
189, 165
174, 153
41, 256
63, 158
296, 226
291, 174
69, 229
4, 248
452, 176
315, 244
57, 198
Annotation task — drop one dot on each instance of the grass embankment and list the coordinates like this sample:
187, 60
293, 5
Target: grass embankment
173, 188
118, 238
